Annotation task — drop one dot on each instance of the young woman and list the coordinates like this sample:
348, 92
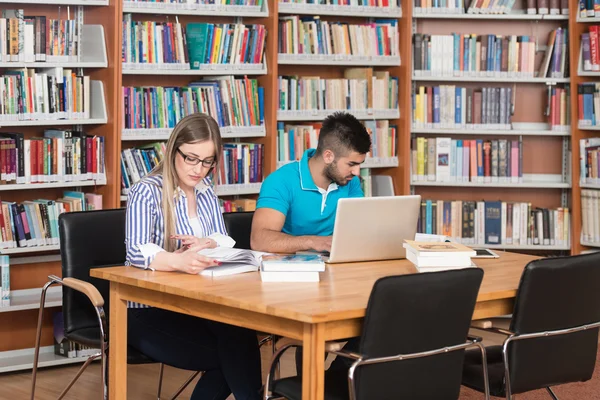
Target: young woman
170, 212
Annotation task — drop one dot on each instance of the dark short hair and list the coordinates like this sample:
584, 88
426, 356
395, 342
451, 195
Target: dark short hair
342, 133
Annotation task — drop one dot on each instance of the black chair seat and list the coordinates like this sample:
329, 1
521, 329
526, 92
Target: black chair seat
336, 386
473, 374
135, 357
85, 336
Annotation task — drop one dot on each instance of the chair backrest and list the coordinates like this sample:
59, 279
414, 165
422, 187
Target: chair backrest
555, 293
382, 185
415, 313
89, 239
239, 227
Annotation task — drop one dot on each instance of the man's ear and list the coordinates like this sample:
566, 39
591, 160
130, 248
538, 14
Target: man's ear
328, 157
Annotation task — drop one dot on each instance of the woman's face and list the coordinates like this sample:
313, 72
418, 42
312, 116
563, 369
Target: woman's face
202, 154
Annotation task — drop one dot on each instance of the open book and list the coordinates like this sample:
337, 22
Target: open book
233, 261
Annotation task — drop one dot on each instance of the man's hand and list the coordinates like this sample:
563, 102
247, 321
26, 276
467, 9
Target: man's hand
321, 243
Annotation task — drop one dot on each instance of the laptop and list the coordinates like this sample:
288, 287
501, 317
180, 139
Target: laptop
373, 228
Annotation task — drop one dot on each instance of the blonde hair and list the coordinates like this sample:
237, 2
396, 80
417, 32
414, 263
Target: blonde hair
194, 128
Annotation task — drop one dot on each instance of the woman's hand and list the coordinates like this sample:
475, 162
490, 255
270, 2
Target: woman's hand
189, 261
188, 241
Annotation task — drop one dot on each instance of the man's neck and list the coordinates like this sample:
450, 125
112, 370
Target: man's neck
316, 167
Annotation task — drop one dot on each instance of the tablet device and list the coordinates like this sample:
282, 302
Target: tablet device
485, 253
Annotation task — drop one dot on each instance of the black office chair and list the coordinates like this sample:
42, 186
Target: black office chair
553, 334
91, 239
412, 344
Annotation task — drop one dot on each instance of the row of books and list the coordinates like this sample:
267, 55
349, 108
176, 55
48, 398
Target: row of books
474, 55
230, 101
312, 35
495, 222
35, 94
380, 92
590, 216
352, 3
588, 9
35, 223
450, 106
191, 4
553, 7
237, 205
4, 281
293, 140
38, 38
590, 50
454, 160
240, 163
588, 103
366, 183
589, 162
151, 42
58, 156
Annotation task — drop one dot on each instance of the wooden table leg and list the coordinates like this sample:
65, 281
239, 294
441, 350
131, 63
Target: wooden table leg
117, 345
313, 362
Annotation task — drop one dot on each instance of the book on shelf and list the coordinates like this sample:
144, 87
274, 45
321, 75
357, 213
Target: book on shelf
314, 36
31, 38
495, 223
474, 160
230, 101
44, 94
492, 7
588, 104
34, 223
366, 182
173, 45
491, 55
293, 140
4, 281
360, 89
590, 216
344, 3
190, 4
237, 205
589, 161
588, 9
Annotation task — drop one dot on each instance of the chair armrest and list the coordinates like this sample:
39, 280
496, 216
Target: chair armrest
86, 288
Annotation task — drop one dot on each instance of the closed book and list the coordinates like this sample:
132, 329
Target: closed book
432, 249
292, 262
443, 261
289, 276
228, 269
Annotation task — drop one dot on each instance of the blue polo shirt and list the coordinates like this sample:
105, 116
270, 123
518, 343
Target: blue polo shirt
308, 209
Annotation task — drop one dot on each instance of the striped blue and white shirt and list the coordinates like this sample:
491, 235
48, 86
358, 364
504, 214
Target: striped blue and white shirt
144, 228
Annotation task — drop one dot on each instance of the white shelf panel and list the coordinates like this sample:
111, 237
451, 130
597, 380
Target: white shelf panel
29, 299
98, 113
123, 198
514, 15
588, 127
316, 115
506, 132
93, 52
227, 132
205, 69
518, 247
146, 7
19, 360
337, 59
238, 189
58, 2
51, 185
511, 79
589, 186
530, 181
339, 10
587, 19
34, 249
590, 244
372, 162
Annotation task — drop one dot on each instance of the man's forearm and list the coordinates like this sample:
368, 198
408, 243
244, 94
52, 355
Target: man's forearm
279, 242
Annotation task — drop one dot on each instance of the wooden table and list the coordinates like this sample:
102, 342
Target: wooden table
311, 312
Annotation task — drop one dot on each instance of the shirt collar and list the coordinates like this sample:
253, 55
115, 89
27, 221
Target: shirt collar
306, 180
200, 188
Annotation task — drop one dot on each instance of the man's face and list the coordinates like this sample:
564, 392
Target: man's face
342, 170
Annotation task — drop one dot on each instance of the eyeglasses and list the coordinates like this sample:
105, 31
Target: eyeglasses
206, 163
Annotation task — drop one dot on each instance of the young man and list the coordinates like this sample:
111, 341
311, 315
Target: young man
297, 203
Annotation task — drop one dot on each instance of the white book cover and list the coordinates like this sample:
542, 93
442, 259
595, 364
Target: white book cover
443, 162
503, 223
289, 276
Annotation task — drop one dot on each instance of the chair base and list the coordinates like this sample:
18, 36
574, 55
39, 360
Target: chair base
552, 394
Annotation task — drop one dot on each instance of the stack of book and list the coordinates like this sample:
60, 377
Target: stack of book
438, 256
291, 268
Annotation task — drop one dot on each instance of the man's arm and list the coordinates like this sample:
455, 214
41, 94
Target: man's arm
267, 236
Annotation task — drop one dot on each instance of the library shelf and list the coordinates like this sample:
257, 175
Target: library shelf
58, 2
318, 115
147, 7
93, 53
238, 189
588, 127
507, 79
497, 132
19, 360
589, 186
514, 15
526, 184
204, 70
33, 249
587, 19
589, 244
123, 198
52, 185
521, 247
337, 59
339, 10
29, 299
227, 132
370, 162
